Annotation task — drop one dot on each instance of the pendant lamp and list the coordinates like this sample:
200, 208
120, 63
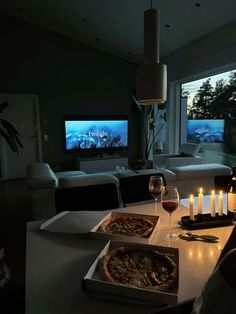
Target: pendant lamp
151, 77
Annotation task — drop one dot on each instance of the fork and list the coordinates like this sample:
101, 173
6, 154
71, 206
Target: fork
193, 236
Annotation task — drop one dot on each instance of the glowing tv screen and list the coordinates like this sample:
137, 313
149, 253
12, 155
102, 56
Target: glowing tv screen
92, 134
209, 130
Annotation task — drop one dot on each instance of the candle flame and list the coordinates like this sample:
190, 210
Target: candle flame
221, 192
200, 190
213, 192
191, 196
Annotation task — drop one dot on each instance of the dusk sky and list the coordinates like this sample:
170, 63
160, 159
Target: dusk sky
193, 86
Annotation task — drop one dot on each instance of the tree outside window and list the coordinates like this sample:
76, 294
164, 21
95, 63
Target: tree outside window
210, 99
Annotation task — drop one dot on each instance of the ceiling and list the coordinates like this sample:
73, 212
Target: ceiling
116, 26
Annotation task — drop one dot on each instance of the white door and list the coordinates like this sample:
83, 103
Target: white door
23, 113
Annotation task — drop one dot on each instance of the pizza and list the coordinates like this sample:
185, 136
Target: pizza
128, 225
146, 269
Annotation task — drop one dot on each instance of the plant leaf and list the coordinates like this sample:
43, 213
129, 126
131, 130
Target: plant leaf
136, 102
18, 141
9, 127
11, 131
10, 141
3, 106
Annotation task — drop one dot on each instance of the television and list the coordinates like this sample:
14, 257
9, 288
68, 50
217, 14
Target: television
208, 130
96, 134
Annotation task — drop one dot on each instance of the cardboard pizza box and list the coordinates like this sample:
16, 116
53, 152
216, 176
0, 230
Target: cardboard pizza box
118, 237
94, 285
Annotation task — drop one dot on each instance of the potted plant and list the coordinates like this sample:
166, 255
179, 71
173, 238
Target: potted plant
148, 120
9, 132
151, 130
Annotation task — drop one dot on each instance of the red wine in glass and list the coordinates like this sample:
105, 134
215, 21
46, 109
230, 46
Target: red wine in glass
155, 187
170, 202
156, 193
170, 206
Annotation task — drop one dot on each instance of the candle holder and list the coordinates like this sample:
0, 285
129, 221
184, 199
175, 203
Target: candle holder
206, 221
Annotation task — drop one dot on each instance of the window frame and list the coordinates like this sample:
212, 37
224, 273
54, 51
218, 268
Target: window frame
174, 136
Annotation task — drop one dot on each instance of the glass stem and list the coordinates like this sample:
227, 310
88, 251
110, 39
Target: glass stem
156, 204
169, 225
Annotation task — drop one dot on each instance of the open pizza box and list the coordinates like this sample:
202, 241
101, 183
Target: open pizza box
118, 237
95, 286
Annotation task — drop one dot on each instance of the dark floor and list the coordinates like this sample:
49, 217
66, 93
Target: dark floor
14, 214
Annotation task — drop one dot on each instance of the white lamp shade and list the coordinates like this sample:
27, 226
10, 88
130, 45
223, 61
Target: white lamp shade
151, 87
151, 77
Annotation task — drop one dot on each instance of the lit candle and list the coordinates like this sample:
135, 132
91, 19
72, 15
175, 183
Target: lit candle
220, 204
213, 213
191, 207
200, 201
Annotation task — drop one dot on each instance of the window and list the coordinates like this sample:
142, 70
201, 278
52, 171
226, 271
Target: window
208, 116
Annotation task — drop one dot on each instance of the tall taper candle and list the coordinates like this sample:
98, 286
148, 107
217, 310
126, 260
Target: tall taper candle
200, 201
191, 207
213, 199
220, 204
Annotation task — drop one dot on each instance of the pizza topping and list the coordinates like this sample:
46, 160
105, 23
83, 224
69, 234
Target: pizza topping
153, 278
129, 226
142, 269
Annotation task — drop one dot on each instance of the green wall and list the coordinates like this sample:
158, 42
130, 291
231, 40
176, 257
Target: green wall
68, 77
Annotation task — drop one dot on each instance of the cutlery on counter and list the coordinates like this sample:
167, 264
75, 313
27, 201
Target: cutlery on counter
203, 237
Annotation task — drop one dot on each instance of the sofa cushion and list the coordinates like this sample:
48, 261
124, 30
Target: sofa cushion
69, 173
183, 161
88, 179
40, 176
200, 171
87, 197
189, 149
135, 188
65, 174
168, 175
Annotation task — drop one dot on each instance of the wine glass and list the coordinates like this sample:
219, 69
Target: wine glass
155, 187
170, 202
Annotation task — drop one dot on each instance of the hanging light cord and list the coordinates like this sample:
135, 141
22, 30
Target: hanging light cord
151, 4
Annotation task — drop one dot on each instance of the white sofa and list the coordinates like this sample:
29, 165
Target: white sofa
169, 161
187, 155
43, 182
190, 178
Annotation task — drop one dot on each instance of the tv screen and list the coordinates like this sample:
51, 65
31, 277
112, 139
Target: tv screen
199, 131
96, 134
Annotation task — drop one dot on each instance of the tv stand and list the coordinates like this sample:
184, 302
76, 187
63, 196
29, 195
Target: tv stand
100, 164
